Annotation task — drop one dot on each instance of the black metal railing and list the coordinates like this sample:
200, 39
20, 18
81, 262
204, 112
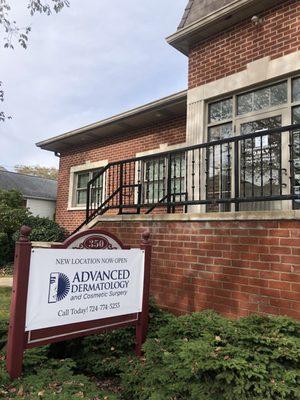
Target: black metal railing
248, 172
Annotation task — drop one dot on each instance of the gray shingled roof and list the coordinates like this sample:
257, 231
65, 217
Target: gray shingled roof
30, 186
197, 9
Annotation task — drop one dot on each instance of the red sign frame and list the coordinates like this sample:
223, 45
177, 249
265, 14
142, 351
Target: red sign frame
19, 340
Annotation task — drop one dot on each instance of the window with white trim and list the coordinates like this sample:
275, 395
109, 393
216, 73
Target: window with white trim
155, 178
81, 182
261, 108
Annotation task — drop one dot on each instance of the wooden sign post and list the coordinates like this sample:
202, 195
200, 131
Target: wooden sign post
20, 339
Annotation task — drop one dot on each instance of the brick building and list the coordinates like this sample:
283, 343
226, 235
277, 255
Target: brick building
213, 172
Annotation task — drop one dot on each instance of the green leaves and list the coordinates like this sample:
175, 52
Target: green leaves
41, 7
11, 198
14, 33
45, 230
13, 215
205, 356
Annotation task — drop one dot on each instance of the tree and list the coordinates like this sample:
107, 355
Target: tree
12, 215
14, 33
37, 170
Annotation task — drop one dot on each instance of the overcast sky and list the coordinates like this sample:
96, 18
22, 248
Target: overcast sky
83, 65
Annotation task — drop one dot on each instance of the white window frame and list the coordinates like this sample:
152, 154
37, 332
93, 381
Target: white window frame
74, 171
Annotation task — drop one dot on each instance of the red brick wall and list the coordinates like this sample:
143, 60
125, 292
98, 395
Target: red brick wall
171, 131
235, 268
229, 52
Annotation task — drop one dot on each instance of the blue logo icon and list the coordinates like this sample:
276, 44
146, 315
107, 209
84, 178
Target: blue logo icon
59, 287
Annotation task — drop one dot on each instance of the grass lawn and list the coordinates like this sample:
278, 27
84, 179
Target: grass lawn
5, 294
6, 270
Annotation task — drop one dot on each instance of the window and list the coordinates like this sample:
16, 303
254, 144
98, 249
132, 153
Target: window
260, 109
220, 110
155, 179
296, 89
260, 159
262, 98
82, 180
296, 115
218, 180
296, 153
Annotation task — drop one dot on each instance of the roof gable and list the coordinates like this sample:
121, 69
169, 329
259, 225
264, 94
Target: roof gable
197, 9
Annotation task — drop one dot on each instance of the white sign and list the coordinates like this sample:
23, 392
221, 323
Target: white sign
262, 141
70, 286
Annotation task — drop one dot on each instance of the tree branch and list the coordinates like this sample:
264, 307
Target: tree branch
12, 32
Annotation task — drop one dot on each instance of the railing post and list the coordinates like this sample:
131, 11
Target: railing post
87, 211
139, 199
169, 183
291, 167
236, 174
121, 189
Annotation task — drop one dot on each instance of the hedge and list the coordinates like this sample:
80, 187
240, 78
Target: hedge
207, 357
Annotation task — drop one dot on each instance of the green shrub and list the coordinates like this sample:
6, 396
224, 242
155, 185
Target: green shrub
11, 198
48, 379
5, 248
105, 354
207, 357
45, 230
3, 332
12, 215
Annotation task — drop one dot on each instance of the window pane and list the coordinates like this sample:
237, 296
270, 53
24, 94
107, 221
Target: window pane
296, 89
245, 103
94, 173
220, 110
279, 94
81, 196
260, 159
155, 177
296, 156
263, 124
82, 180
262, 98
96, 195
178, 175
220, 132
154, 180
178, 165
98, 182
296, 115
218, 179
97, 188
154, 169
